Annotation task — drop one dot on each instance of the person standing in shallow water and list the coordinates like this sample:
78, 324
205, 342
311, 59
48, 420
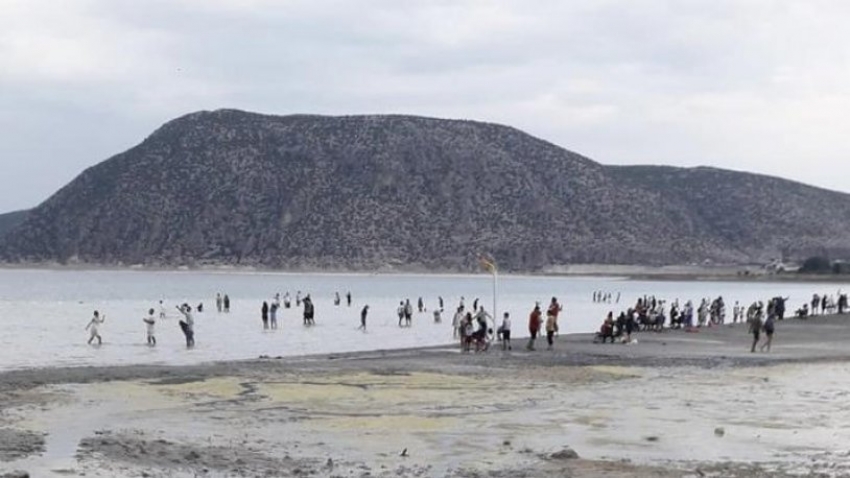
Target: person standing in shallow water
264, 314
273, 311
188, 324
309, 311
218, 302
363, 318
92, 327
149, 326
226, 302
457, 322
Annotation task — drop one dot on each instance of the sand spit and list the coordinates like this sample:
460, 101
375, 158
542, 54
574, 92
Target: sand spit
675, 404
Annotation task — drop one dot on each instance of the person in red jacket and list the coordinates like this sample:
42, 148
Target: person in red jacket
534, 325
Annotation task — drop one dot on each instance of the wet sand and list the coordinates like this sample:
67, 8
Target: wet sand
674, 404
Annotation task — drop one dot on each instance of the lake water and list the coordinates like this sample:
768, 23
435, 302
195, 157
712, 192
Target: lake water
44, 312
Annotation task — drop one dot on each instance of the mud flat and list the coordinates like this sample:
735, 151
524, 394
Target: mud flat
674, 404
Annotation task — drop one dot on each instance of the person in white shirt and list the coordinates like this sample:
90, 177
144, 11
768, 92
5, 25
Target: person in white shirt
505, 329
457, 320
149, 325
92, 327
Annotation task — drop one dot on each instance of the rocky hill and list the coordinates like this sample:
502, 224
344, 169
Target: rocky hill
11, 220
367, 192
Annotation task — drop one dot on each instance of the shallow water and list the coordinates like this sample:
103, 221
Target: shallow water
44, 312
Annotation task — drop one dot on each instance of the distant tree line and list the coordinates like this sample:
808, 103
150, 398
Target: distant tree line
823, 265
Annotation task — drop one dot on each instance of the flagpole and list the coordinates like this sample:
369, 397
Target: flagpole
495, 312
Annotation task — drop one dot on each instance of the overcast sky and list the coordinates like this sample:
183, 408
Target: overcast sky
754, 85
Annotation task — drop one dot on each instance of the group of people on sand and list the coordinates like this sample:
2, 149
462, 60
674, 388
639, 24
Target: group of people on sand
649, 313
823, 304
551, 325
475, 328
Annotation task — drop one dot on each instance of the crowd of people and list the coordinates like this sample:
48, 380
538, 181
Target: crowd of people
650, 313
475, 328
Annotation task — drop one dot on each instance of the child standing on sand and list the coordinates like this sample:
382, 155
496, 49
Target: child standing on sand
149, 325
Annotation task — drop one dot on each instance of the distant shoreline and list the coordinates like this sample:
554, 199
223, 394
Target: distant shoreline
680, 273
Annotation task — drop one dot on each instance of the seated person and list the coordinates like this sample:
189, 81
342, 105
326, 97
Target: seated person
606, 331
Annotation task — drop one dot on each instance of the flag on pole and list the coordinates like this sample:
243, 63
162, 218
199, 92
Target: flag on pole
488, 264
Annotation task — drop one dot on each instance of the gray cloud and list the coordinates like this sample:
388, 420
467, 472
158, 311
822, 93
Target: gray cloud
758, 85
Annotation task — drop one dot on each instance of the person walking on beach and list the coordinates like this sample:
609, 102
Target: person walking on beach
287, 302
363, 318
264, 314
188, 324
420, 305
149, 326
768, 328
226, 302
506, 331
218, 302
348, 298
534, 320
755, 327
162, 313
337, 299
298, 299
92, 327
